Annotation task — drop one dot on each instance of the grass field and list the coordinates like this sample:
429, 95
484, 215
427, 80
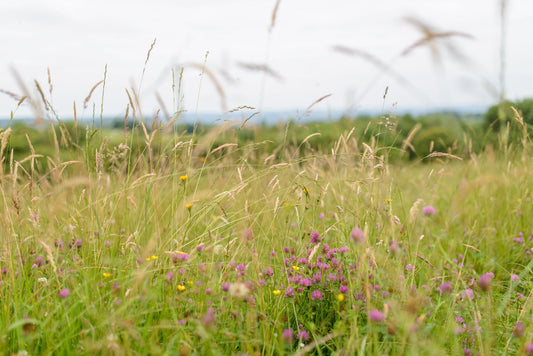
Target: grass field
192, 248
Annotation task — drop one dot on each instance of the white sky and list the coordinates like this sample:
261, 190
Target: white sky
76, 39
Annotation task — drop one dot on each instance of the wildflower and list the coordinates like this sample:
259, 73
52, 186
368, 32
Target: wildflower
153, 258
295, 268
302, 335
267, 273
289, 292
515, 278
239, 290
209, 317
305, 191
358, 235
317, 295
376, 316
529, 348
389, 200
170, 275
343, 289
180, 256
39, 261
226, 286
287, 335
485, 281
181, 287
63, 293
444, 288
184, 178
315, 238
76, 244
468, 293
200, 248
42, 280
106, 275
518, 329
321, 216
410, 267
276, 292
188, 206
241, 268
306, 282
428, 210
340, 297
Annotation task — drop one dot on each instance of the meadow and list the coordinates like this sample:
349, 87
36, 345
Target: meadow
168, 242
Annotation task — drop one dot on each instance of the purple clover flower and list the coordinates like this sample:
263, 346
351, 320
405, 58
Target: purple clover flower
304, 336
288, 335
316, 295
289, 292
376, 316
428, 210
358, 235
485, 281
315, 238
63, 293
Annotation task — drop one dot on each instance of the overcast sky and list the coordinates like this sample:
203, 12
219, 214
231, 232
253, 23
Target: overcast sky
76, 39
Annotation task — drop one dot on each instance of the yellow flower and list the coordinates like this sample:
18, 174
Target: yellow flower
148, 259
340, 297
184, 178
153, 258
181, 287
202, 159
305, 191
188, 206
276, 292
296, 268
389, 200
106, 275
190, 283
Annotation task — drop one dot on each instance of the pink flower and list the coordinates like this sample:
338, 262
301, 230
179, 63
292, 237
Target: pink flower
315, 238
444, 288
288, 335
302, 335
289, 292
485, 281
358, 235
306, 282
428, 210
468, 293
317, 295
63, 293
376, 316
209, 317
